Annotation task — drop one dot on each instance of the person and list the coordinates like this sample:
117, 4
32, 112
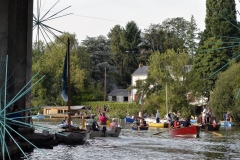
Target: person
186, 123
103, 119
105, 108
133, 117
140, 114
15, 116
157, 117
95, 126
203, 114
113, 124
176, 123
143, 123
178, 114
128, 116
64, 121
29, 120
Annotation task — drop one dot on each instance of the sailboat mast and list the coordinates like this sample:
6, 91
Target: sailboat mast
69, 88
166, 99
105, 74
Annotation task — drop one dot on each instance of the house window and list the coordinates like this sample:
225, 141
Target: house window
48, 111
60, 111
125, 99
114, 98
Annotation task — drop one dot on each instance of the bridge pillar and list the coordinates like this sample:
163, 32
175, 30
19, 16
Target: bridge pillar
16, 19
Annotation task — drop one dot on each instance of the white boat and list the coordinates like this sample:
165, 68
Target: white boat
65, 126
39, 116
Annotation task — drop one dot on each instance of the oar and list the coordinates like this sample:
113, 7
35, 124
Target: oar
160, 132
218, 134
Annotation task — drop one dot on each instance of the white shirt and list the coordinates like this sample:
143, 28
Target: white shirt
204, 112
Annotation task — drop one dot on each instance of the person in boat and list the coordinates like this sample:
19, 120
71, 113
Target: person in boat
204, 115
143, 123
157, 117
64, 121
113, 124
186, 122
178, 114
140, 114
95, 126
128, 116
176, 123
133, 117
103, 119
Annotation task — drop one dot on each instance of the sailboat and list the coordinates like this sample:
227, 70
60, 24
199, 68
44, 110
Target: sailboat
70, 135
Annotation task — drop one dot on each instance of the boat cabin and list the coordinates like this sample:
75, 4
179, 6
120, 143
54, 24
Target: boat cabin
62, 111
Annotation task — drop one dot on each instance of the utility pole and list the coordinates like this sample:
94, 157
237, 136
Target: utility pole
105, 88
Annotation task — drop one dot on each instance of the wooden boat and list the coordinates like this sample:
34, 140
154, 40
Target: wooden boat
227, 123
191, 131
210, 127
73, 137
128, 120
141, 128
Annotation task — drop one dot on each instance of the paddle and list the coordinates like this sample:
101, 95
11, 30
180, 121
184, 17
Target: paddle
218, 134
161, 132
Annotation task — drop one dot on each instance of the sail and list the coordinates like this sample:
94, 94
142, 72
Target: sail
64, 93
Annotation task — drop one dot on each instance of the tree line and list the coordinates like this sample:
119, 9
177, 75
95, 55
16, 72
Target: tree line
169, 49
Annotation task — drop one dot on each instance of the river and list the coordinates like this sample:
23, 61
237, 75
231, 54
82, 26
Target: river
143, 145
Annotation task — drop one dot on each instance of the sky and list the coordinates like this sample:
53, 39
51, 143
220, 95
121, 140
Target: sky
93, 18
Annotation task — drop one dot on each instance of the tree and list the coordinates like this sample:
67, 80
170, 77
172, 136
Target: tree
207, 63
224, 97
50, 64
100, 58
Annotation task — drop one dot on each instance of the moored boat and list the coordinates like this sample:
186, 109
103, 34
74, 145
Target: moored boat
73, 137
191, 131
139, 128
226, 123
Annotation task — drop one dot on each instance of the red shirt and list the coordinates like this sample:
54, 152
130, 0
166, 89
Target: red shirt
103, 119
176, 124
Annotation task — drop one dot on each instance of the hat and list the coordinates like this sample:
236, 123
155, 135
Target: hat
113, 119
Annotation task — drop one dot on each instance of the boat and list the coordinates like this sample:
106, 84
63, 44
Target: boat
210, 127
152, 123
100, 133
108, 133
78, 136
187, 132
141, 128
70, 135
39, 116
128, 120
226, 123
65, 126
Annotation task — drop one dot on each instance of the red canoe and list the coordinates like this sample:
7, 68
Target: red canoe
191, 131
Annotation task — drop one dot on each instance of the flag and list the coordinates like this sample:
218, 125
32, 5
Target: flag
64, 93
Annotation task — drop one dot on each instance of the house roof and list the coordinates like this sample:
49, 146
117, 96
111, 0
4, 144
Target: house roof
118, 92
141, 71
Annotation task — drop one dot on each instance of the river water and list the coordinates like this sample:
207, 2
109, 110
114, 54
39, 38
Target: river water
143, 145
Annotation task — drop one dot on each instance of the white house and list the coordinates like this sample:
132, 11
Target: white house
139, 74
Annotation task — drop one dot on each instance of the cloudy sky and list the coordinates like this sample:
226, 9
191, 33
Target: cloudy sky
96, 17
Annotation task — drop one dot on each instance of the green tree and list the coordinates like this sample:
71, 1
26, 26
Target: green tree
207, 64
224, 97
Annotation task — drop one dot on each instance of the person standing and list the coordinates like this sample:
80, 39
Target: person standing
157, 117
204, 115
140, 114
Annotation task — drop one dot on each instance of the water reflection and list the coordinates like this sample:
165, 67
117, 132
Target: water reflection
144, 145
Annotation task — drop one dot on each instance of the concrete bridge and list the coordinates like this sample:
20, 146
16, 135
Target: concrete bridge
16, 19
